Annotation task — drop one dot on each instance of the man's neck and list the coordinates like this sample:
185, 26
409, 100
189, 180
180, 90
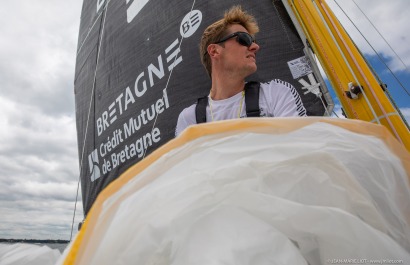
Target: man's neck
225, 87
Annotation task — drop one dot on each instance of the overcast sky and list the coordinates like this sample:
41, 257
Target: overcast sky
38, 145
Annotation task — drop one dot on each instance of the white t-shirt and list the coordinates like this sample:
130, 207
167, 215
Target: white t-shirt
276, 99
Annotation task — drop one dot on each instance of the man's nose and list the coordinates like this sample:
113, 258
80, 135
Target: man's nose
254, 47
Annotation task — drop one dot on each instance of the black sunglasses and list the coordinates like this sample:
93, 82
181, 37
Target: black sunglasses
243, 38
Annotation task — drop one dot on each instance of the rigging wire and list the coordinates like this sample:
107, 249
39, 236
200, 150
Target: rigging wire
88, 34
384, 87
347, 63
338, 84
325, 106
169, 78
91, 100
381, 35
393, 129
374, 50
324, 92
88, 116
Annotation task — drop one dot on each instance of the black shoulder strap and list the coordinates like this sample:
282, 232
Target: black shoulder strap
251, 103
200, 110
252, 99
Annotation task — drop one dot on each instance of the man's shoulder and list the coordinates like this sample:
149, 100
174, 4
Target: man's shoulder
190, 109
186, 117
277, 88
275, 83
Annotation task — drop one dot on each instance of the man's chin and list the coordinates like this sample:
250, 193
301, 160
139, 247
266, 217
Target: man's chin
249, 70
253, 69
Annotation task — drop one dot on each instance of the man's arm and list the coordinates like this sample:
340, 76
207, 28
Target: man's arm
284, 100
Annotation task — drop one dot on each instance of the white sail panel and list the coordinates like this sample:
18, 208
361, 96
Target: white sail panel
20, 254
257, 191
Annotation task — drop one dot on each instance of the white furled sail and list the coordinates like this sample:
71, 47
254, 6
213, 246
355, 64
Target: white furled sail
30, 254
257, 191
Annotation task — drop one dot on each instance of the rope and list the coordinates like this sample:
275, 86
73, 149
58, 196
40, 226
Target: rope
88, 116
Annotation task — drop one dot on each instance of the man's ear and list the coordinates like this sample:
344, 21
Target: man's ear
213, 50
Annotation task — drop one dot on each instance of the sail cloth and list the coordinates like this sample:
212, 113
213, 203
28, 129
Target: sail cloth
138, 67
28, 254
257, 191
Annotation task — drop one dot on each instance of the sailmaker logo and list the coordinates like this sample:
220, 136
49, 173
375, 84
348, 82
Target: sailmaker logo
191, 21
107, 157
94, 165
133, 7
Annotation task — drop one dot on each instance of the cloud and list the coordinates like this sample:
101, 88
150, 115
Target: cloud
38, 173
36, 53
35, 142
39, 219
389, 19
406, 113
38, 147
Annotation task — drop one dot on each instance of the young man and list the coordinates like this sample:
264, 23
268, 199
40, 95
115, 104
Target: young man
228, 52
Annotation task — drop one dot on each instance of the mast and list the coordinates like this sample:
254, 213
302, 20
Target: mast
353, 80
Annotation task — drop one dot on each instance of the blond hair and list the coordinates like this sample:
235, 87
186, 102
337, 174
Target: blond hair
217, 30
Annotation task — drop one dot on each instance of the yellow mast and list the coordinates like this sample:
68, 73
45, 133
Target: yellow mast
346, 68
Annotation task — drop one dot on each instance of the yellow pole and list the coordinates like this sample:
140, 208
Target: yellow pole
344, 64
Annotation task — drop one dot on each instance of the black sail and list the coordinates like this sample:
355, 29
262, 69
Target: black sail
138, 67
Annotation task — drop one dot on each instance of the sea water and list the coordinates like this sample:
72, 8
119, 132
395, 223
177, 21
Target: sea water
33, 254
61, 247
